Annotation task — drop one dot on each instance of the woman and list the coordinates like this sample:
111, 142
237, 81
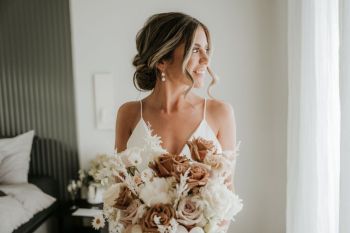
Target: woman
173, 57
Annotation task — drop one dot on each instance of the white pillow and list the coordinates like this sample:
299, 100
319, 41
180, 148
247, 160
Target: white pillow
14, 158
31, 197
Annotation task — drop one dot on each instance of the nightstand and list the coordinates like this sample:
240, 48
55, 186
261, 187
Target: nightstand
79, 224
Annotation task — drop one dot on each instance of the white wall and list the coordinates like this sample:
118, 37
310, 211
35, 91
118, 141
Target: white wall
344, 225
250, 57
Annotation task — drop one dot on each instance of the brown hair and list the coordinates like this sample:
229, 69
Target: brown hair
157, 40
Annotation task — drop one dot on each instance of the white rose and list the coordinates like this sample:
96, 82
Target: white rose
220, 201
182, 229
196, 230
157, 191
190, 212
112, 193
212, 227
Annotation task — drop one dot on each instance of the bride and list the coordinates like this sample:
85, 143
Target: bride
173, 56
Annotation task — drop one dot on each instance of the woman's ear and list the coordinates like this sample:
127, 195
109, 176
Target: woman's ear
161, 65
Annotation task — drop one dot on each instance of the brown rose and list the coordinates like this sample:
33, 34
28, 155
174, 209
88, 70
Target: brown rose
130, 213
199, 148
165, 212
168, 165
198, 176
124, 199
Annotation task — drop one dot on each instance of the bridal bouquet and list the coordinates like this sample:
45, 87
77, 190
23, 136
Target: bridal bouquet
153, 191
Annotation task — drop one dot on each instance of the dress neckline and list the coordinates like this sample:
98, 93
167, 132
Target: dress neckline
148, 128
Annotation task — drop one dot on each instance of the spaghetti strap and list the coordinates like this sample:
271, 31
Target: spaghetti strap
141, 109
205, 108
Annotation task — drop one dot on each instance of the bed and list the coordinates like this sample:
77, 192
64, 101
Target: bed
26, 200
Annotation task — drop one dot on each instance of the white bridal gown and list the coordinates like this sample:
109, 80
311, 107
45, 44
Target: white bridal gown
142, 130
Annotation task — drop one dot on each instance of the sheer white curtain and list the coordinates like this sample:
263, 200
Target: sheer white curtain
345, 117
313, 117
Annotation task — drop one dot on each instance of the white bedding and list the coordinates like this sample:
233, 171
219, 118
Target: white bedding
20, 205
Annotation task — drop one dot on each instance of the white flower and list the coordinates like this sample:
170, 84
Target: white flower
81, 174
212, 227
224, 168
220, 201
147, 175
131, 156
98, 222
112, 193
236, 207
115, 227
74, 185
196, 230
181, 229
135, 159
156, 191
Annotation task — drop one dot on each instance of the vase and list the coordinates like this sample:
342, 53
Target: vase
95, 193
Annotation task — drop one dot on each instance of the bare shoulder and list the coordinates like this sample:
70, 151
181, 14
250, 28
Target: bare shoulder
127, 116
129, 109
222, 116
220, 109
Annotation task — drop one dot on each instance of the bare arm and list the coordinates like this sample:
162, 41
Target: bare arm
227, 130
123, 127
227, 139
227, 135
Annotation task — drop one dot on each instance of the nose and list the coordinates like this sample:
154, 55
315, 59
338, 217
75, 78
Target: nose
204, 59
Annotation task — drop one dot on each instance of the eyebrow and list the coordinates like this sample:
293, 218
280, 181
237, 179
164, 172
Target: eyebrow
196, 44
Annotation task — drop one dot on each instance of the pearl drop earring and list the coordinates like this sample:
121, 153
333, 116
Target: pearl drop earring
163, 76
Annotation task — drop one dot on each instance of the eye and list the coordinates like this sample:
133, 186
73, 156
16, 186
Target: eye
195, 50
207, 50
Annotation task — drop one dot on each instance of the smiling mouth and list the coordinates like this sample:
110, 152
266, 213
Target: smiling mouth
199, 71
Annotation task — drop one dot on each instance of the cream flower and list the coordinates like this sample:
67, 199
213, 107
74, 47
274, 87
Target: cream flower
182, 229
147, 175
235, 207
220, 201
221, 167
157, 191
196, 230
98, 222
212, 227
190, 212
135, 159
131, 156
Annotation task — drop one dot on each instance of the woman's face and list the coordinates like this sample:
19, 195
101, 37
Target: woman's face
197, 64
